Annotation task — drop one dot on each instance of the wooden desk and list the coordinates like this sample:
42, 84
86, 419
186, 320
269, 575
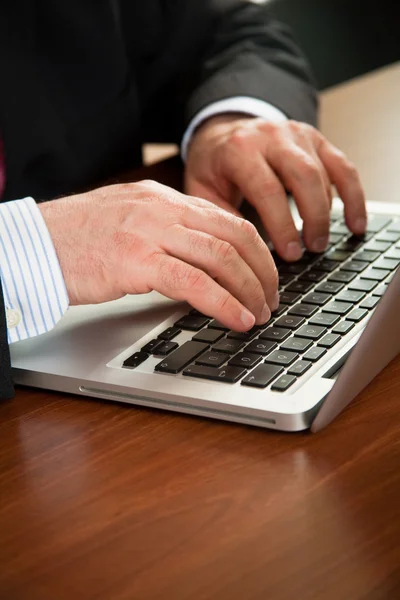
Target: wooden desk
100, 501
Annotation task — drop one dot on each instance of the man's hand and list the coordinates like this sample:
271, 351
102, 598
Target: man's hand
232, 157
139, 237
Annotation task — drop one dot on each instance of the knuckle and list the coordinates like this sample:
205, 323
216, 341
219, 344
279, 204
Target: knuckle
222, 301
253, 290
249, 231
308, 169
225, 251
238, 139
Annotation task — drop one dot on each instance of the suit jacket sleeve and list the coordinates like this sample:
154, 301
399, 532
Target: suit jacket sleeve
6, 385
250, 54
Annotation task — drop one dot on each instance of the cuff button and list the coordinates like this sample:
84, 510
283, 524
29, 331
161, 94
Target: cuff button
13, 317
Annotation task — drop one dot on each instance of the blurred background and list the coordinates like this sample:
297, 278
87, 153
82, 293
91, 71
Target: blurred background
342, 38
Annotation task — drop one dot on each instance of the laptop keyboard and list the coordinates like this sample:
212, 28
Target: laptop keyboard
322, 297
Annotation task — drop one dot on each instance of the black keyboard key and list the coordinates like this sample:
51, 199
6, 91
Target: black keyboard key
357, 314
212, 359
329, 287
312, 332
244, 336
192, 323
303, 310
343, 327
196, 313
289, 297
300, 287
262, 376
299, 367
315, 354
379, 291
308, 258
317, 298
283, 383
296, 344
326, 265
290, 322
135, 360
388, 236
224, 374
356, 266
183, 356
370, 303
281, 309
376, 246
387, 263
281, 357
291, 268
342, 276
375, 274
151, 347
350, 296
377, 222
338, 255
218, 325
329, 340
338, 308
262, 347
324, 319
165, 348
228, 346
312, 275
353, 243
367, 256
277, 334
363, 285
285, 279
209, 336
169, 334
246, 360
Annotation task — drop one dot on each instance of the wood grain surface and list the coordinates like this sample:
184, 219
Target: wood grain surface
101, 501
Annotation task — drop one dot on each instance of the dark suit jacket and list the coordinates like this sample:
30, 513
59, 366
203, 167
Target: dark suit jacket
84, 83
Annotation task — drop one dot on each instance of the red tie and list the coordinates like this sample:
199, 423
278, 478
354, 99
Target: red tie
2, 170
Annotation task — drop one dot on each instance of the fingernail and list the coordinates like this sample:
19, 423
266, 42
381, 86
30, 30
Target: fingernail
360, 225
275, 302
320, 244
265, 315
247, 319
293, 251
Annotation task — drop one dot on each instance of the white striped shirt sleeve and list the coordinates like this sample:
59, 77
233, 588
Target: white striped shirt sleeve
33, 285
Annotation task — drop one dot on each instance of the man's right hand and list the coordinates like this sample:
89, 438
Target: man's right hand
138, 237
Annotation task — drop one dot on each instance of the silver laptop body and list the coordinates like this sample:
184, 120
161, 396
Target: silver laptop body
85, 352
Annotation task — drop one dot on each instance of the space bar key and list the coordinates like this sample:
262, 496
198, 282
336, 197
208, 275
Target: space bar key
182, 357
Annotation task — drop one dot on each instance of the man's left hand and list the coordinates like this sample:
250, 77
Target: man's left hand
234, 156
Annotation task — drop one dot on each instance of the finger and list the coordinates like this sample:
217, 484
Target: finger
263, 190
178, 280
243, 236
222, 262
302, 176
196, 188
345, 177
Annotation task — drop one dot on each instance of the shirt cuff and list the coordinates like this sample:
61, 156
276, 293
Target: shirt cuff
34, 291
241, 104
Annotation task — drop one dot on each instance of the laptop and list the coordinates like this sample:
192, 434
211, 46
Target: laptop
290, 374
